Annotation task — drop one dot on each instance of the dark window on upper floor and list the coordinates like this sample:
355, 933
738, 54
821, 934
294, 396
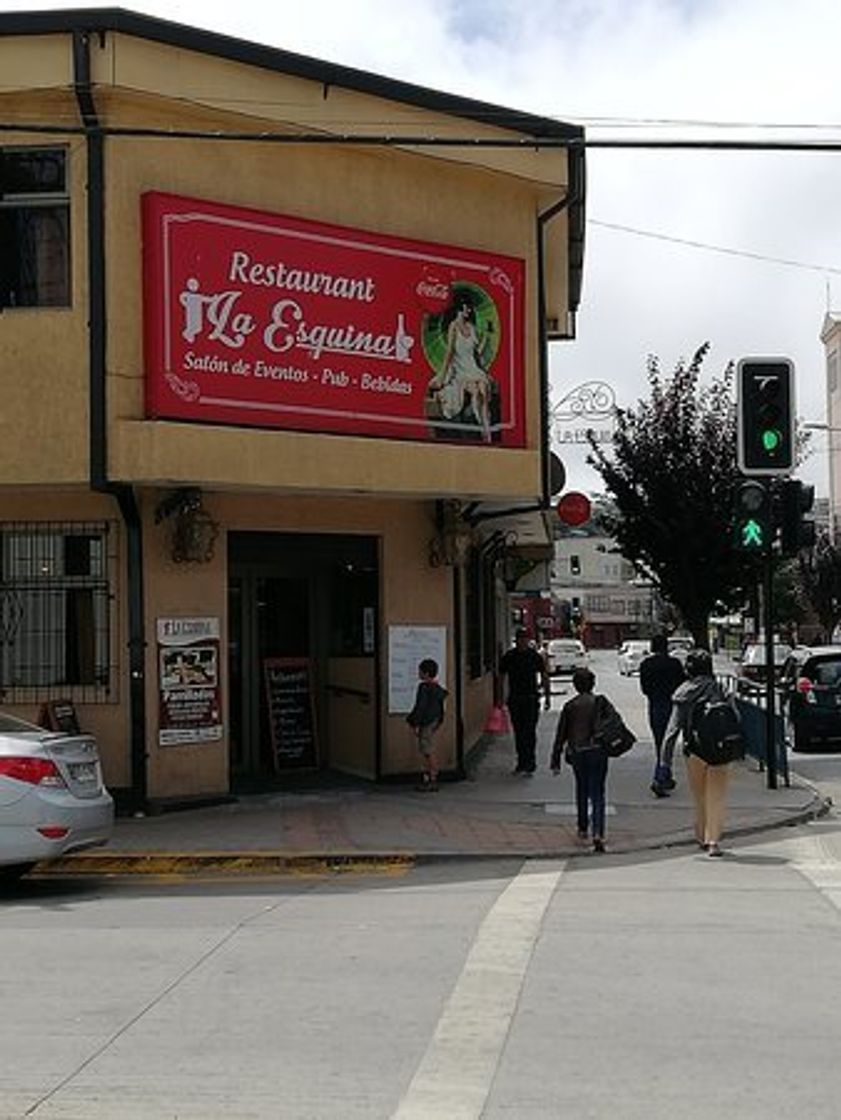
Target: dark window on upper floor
34, 228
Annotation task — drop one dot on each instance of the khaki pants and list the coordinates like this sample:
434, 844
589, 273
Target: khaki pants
709, 788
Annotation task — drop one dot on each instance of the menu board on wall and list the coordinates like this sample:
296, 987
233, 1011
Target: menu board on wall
291, 711
407, 647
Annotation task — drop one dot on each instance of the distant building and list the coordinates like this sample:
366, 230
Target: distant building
597, 593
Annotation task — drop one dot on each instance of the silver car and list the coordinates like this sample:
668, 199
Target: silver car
52, 799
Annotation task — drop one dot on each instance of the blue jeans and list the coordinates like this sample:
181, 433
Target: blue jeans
659, 711
590, 769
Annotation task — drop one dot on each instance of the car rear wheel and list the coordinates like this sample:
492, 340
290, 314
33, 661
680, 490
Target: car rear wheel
14, 871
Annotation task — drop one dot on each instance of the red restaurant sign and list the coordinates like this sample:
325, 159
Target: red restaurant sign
257, 319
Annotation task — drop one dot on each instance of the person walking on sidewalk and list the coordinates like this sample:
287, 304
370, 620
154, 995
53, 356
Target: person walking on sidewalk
526, 671
425, 718
708, 783
574, 736
660, 675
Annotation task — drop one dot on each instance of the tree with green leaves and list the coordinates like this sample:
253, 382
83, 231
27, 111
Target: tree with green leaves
673, 479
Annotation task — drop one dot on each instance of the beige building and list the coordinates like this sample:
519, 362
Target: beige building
273, 345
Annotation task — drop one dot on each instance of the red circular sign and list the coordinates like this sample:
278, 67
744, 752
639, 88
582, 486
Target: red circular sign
574, 508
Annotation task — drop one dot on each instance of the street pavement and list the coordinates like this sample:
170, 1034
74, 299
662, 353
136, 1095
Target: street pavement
493, 813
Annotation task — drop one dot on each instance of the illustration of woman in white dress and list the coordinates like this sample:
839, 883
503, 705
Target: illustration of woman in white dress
461, 377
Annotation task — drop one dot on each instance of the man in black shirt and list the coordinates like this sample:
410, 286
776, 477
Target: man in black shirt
524, 667
660, 674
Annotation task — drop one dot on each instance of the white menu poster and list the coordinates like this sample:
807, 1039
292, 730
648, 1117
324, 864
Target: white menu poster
407, 647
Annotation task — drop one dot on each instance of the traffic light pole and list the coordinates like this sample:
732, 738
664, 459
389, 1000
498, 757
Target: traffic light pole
770, 693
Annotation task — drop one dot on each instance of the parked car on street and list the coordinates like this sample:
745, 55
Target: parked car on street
679, 646
52, 798
631, 654
811, 687
752, 673
565, 655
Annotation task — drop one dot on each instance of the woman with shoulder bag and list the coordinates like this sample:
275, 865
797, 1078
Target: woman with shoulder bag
574, 736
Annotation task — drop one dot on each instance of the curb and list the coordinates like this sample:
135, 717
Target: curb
220, 863
185, 864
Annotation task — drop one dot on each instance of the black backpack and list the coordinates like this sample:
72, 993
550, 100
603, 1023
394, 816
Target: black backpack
715, 731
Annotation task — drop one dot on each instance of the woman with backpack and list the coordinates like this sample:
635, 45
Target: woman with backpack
707, 780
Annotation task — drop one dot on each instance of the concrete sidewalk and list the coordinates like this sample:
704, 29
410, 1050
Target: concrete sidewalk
493, 814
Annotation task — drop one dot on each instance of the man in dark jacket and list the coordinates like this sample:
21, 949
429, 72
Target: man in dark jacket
660, 674
525, 669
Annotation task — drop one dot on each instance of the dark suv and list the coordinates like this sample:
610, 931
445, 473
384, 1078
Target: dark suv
811, 686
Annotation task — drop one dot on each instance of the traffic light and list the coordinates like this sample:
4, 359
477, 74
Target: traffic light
575, 565
765, 414
796, 499
753, 524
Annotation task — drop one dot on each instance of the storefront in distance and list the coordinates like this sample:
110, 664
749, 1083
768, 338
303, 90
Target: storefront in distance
275, 404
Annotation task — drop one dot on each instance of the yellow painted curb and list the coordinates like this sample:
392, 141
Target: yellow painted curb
219, 863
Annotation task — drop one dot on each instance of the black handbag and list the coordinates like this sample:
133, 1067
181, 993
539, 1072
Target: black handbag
610, 730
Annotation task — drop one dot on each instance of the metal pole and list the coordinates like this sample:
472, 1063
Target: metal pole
768, 623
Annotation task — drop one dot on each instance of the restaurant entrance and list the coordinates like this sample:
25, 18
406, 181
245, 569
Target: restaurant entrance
302, 656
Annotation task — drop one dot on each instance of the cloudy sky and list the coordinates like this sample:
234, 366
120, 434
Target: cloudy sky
766, 263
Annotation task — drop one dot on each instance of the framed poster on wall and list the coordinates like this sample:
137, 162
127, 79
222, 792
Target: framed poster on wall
190, 705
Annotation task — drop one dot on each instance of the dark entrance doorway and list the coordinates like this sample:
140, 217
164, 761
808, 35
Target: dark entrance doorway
303, 629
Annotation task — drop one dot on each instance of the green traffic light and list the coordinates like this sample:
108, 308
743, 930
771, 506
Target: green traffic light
771, 440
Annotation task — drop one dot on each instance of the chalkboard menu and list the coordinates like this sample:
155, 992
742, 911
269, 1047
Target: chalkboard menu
289, 688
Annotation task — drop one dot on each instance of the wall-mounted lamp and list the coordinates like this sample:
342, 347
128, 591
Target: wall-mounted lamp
453, 538
193, 531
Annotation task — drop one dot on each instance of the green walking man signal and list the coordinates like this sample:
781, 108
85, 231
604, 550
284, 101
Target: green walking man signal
753, 526
753, 535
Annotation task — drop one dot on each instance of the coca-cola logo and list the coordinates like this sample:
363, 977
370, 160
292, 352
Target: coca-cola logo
433, 293
432, 288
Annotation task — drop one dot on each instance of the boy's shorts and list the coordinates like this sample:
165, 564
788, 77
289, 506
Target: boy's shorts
426, 736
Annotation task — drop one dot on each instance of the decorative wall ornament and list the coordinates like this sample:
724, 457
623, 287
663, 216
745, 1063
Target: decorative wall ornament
586, 404
593, 400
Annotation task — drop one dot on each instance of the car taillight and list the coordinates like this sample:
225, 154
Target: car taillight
33, 771
804, 687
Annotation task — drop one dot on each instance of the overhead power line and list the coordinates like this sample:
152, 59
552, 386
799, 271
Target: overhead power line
746, 253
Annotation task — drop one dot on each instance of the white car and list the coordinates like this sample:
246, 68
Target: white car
679, 647
52, 799
630, 656
565, 655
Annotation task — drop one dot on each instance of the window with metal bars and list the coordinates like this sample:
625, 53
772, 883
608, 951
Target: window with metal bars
57, 586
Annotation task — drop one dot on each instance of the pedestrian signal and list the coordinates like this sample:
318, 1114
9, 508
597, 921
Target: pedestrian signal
765, 415
753, 525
